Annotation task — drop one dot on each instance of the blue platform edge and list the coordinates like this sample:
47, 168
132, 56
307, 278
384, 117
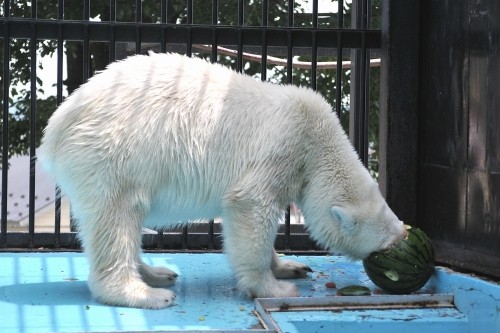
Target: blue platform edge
47, 292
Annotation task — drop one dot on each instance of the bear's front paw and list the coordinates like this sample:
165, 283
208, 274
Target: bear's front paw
157, 276
135, 295
287, 269
278, 290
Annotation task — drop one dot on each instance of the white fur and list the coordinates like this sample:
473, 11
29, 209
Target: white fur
155, 140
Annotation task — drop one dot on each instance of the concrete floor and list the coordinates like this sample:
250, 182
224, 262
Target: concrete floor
47, 292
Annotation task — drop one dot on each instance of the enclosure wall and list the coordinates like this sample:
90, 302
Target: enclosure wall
459, 136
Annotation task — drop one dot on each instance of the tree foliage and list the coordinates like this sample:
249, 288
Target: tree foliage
20, 98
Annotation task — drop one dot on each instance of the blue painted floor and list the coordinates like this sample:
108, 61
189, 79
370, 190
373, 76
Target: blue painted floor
47, 292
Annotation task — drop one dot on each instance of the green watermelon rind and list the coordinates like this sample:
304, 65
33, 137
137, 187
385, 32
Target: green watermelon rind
413, 267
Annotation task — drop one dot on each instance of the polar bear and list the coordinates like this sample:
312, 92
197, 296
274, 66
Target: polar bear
158, 139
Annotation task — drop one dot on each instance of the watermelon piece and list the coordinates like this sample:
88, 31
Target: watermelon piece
406, 267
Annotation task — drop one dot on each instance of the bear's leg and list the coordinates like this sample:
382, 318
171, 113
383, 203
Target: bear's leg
249, 232
157, 276
112, 241
288, 269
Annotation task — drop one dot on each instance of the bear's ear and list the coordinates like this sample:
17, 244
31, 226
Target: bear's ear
341, 214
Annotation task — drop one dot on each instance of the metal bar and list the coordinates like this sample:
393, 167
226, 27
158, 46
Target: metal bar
112, 38
289, 68
239, 56
33, 122
315, 14
57, 226
265, 14
112, 11
263, 64
138, 39
361, 112
314, 47
267, 305
314, 61
138, 10
241, 14
159, 240
289, 58
190, 12
215, 22
287, 228
5, 125
338, 77
86, 10
358, 124
189, 43
340, 13
185, 237
59, 99
163, 11
34, 6
211, 243
277, 37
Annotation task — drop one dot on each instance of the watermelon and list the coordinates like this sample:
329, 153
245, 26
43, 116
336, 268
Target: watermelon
406, 267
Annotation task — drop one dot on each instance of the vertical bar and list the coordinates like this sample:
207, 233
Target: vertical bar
138, 11
112, 39
358, 132
289, 67
338, 79
112, 11
263, 68
190, 12
315, 14
86, 44
215, 16
34, 5
184, 238
163, 40
287, 229
314, 46
5, 125
265, 14
289, 57
138, 19
59, 99
86, 10
159, 240
239, 55
138, 39
163, 13
314, 61
363, 102
189, 42
340, 13
32, 121
57, 226
211, 244
241, 14
289, 76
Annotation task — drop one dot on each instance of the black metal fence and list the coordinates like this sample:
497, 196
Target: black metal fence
296, 42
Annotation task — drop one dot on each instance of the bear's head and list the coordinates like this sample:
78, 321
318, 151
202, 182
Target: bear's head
355, 227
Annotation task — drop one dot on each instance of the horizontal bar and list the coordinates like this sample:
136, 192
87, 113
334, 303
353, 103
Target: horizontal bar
357, 302
175, 33
170, 241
